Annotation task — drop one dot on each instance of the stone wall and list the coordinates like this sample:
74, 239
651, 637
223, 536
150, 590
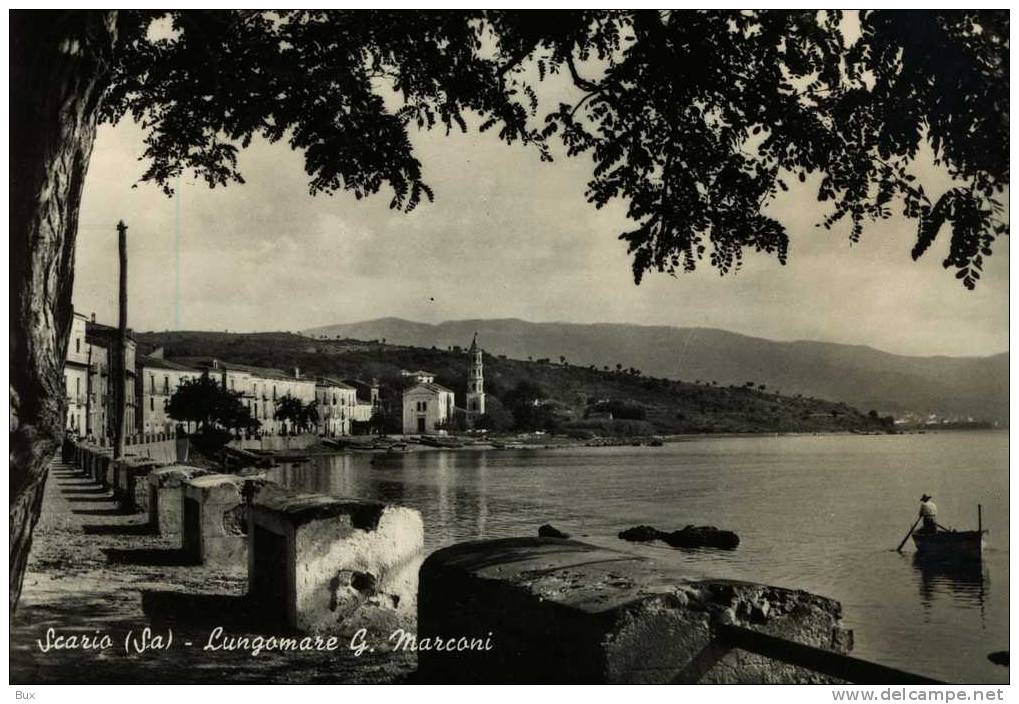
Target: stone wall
277, 442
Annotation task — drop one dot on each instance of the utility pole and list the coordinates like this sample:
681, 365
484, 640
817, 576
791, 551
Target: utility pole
88, 391
120, 387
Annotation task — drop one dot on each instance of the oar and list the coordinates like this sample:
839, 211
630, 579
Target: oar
908, 533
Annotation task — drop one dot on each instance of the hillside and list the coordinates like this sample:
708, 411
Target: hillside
862, 376
667, 406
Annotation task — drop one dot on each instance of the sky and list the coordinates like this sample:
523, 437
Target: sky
507, 236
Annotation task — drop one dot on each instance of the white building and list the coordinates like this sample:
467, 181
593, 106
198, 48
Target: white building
427, 409
76, 376
159, 380
260, 388
337, 404
419, 377
92, 349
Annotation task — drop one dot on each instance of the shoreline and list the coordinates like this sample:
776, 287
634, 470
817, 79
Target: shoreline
532, 443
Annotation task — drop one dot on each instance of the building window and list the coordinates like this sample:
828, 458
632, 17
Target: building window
77, 344
77, 386
152, 403
152, 382
166, 384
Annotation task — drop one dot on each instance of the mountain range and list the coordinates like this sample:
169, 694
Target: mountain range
862, 376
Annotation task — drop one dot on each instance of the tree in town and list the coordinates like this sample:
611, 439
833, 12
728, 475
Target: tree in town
232, 414
695, 120
497, 418
206, 404
302, 417
310, 420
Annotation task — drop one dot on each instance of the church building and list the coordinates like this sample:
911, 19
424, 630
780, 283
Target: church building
428, 408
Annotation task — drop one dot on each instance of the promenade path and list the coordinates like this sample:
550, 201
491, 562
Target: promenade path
93, 568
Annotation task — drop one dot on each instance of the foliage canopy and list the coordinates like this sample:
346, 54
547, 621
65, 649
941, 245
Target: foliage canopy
695, 119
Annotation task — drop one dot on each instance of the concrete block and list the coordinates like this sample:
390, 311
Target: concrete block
166, 497
556, 610
215, 525
87, 456
328, 564
107, 469
99, 462
131, 486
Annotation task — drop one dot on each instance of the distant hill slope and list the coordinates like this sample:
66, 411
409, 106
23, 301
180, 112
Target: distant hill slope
862, 376
666, 406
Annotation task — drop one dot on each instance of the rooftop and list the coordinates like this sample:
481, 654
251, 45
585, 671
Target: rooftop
148, 362
431, 387
265, 372
95, 329
326, 381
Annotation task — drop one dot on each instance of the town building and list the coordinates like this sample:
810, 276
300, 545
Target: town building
158, 380
105, 343
259, 388
337, 404
419, 377
369, 398
427, 409
92, 351
76, 377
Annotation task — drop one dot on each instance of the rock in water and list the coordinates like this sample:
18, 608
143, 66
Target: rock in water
999, 657
641, 534
702, 537
550, 531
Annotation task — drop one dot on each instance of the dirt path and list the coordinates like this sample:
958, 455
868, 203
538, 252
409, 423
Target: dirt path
95, 571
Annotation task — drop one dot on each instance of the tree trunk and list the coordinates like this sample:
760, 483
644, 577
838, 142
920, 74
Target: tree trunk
59, 72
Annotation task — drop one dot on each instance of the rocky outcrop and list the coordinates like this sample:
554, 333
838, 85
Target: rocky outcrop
689, 537
550, 531
702, 537
640, 534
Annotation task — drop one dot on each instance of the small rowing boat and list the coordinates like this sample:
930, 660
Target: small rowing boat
949, 544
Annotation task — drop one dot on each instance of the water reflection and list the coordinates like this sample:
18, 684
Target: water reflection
966, 582
451, 490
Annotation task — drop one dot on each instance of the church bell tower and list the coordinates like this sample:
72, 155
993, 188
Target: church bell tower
475, 383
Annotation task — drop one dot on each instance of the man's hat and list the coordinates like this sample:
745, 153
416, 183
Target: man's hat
926, 497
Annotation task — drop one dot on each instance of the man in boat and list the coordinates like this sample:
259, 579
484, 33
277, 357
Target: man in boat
929, 514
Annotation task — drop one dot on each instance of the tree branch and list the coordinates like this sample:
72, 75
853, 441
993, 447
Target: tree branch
515, 60
581, 83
